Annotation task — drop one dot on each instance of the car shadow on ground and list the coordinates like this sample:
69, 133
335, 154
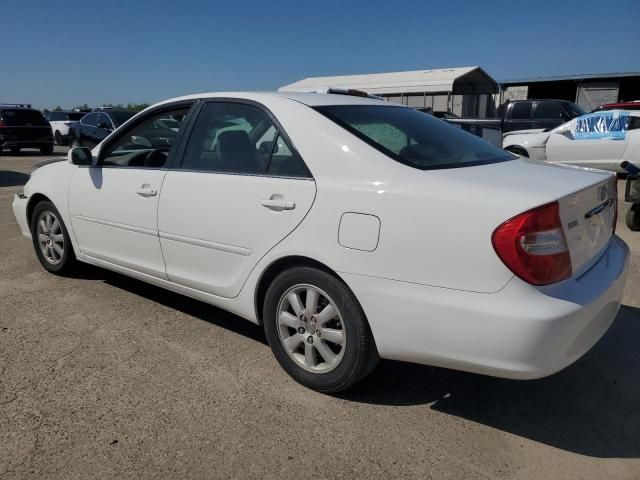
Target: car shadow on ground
12, 179
176, 301
591, 408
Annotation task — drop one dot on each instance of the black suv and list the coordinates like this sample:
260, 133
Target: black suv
96, 125
24, 127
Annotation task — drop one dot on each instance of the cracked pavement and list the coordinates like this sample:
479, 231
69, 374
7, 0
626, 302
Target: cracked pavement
102, 376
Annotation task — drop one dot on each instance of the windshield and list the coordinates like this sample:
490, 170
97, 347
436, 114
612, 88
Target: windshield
119, 118
413, 138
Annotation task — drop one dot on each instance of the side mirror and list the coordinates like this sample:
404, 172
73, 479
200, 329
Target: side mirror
80, 156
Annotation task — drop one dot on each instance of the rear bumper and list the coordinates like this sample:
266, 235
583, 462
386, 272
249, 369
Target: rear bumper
19, 206
520, 332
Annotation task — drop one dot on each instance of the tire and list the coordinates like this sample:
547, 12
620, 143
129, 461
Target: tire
15, 151
74, 143
328, 366
47, 149
57, 138
50, 257
633, 217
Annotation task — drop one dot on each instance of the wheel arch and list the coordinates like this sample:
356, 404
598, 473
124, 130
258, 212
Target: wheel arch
518, 150
278, 266
34, 200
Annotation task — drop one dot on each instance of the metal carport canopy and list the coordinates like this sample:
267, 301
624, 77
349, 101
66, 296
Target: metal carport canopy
457, 81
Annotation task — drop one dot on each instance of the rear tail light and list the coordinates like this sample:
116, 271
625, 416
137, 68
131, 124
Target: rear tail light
533, 246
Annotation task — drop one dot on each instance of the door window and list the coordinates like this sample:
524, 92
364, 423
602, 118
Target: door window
104, 122
521, 111
90, 119
147, 143
550, 111
238, 138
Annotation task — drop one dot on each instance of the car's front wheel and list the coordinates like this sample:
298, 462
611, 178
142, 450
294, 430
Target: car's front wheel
317, 330
51, 239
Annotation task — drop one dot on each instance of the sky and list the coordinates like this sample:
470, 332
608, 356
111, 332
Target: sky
109, 51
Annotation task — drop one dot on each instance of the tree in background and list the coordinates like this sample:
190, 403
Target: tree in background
134, 107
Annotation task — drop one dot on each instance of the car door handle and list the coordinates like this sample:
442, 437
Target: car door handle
278, 204
146, 191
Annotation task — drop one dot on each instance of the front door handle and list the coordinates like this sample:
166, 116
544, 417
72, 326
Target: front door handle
278, 205
146, 191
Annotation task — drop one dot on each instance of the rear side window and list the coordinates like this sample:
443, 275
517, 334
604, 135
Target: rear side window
413, 138
239, 138
23, 117
549, 110
521, 111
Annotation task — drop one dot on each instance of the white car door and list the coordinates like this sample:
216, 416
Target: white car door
240, 189
564, 147
114, 203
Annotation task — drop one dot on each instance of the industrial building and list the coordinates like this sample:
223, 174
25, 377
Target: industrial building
588, 90
471, 92
465, 91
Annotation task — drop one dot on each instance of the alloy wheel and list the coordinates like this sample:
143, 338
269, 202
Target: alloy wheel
311, 329
50, 237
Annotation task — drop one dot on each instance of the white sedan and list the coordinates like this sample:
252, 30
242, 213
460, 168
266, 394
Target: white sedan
597, 140
351, 228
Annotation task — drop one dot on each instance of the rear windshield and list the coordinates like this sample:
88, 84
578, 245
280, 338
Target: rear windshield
23, 117
413, 138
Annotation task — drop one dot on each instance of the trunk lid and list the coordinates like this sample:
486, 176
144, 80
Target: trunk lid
588, 217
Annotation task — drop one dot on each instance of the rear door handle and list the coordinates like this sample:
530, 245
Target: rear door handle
278, 205
146, 191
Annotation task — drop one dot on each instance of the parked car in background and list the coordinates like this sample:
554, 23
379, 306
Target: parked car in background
60, 122
96, 125
599, 140
24, 127
525, 115
297, 211
634, 105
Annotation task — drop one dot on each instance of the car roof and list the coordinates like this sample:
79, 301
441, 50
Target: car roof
310, 99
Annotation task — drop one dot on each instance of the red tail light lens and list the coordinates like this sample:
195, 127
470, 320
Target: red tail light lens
533, 246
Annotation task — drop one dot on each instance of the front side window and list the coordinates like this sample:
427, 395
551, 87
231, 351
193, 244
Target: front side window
413, 138
90, 119
239, 138
148, 143
521, 111
549, 110
119, 117
104, 122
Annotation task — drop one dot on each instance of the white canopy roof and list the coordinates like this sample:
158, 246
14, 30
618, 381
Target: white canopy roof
462, 80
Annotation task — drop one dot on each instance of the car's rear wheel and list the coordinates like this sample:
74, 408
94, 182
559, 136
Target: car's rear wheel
317, 330
633, 217
74, 143
57, 138
46, 149
51, 239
